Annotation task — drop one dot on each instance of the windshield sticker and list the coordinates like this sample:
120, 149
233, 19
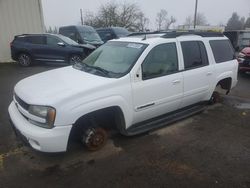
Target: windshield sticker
134, 45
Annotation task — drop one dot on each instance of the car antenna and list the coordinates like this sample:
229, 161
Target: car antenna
145, 37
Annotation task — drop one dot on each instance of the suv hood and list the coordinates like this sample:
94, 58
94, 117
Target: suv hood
52, 86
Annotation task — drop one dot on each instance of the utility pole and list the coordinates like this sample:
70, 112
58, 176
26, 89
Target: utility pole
81, 16
195, 13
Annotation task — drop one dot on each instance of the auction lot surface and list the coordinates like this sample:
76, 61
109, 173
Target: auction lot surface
211, 149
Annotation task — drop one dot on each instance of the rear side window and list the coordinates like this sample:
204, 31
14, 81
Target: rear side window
194, 53
21, 39
222, 50
37, 39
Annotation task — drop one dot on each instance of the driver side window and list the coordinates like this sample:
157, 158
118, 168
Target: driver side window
161, 60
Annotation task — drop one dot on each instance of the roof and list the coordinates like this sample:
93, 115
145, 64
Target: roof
155, 37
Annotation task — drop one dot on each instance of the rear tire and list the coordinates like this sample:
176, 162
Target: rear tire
24, 60
215, 98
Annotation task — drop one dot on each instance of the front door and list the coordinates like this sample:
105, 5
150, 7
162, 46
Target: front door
160, 89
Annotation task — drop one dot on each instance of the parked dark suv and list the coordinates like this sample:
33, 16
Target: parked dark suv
109, 33
29, 48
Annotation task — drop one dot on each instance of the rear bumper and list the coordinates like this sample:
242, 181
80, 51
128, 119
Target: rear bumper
41, 139
244, 65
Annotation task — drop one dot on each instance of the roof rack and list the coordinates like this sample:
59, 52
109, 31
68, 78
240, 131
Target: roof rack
174, 34
146, 33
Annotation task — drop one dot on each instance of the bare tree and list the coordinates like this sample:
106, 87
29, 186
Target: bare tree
126, 15
162, 20
235, 22
142, 22
200, 20
247, 23
189, 21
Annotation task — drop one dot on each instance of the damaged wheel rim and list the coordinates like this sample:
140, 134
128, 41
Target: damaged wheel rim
95, 138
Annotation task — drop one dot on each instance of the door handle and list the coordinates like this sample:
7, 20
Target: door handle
176, 81
209, 73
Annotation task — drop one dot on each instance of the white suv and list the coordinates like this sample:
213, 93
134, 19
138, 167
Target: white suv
131, 84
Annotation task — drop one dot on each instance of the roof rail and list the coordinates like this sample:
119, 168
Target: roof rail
174, 34
146, 33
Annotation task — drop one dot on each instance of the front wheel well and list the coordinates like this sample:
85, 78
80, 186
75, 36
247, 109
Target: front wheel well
110, 118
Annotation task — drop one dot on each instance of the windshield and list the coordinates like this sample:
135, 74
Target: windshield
67, 40
89, 34
114, 58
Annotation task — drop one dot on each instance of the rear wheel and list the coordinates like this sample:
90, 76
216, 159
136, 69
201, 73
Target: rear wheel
215, 98
24, 59
75, 59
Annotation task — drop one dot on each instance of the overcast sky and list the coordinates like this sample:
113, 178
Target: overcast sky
65, 12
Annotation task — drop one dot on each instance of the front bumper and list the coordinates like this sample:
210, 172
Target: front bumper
41, 139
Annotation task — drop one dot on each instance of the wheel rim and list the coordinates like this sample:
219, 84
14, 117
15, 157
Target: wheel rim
24, 60
95, 138
75, 59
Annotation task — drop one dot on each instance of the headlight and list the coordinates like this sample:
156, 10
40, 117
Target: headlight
241, 55
45, 112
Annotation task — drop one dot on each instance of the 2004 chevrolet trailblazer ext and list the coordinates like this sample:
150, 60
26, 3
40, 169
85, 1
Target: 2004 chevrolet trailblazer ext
132, 84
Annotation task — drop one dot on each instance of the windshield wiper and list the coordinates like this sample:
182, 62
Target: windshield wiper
86, 67
99, 69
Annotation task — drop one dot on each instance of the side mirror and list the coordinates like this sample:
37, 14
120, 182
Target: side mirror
61, 44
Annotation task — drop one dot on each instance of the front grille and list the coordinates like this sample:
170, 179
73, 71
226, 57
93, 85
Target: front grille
23, 104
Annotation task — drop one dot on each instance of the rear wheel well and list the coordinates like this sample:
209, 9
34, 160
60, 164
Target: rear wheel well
22, 52
225, 84
110, 118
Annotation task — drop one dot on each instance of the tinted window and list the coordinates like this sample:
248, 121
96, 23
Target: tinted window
21, 39
194, 53
37, 39
105, 35
161, 60
69, 32
120, 32
222, 50
52, 40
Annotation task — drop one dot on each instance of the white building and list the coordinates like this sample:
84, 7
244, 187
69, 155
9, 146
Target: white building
18, 17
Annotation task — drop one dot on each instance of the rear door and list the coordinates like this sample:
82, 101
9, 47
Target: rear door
37, 45
197, 74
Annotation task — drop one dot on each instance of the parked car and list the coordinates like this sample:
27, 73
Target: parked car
29, 48
239, 38
244, 60
82, 34
109, 33
132, 85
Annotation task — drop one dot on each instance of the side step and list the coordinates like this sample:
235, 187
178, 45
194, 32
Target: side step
163, 120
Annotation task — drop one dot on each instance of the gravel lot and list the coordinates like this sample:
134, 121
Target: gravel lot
211, 149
